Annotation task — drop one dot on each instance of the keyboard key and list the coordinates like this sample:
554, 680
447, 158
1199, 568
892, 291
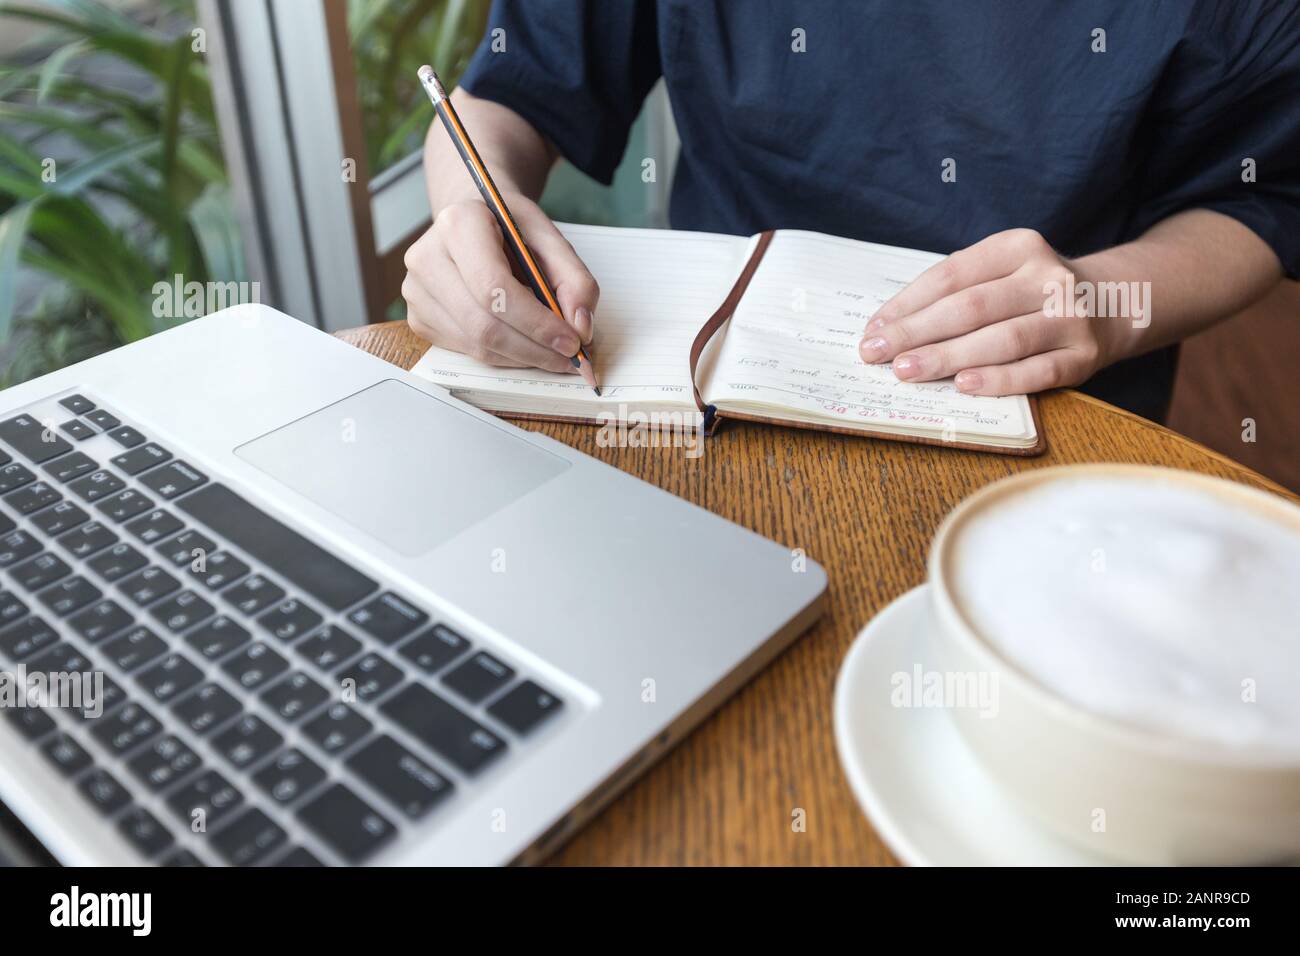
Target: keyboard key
163, 763
7, 523
145, 587
295, 696
290, 620
77, 404
139, 459
169, 678
336, 729
186, 547
126, 728
124, 505
126, 436
478, 677
61, 658
255, 665
142, 829
11, 608
369, 678
62, 517
29, 437
434, 649
182, 858
350, 826
32, 498
173, 479
329, 647
25, 638
182, 611
94, 711
218, 637
286, 552
77, 429
249, 839
402, 778
17, 546
289, 776
247, 741
117, 562
388, 618
70, 594
101, 620
206, 708
40, 571
70, 467
68, 756
216, 571
155, 526
97, 485
103, 791
32, 722
205, 801
83, 541
101, 419
254, 594
14, 476
526, 706
442, 728
298, 857
135, 648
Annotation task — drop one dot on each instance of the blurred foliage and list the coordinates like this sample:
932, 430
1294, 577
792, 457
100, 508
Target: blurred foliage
104, 189
391, 39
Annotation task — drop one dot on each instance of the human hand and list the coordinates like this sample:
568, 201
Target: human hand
981, 315
462, 294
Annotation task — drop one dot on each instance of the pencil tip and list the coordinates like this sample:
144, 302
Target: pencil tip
596, 389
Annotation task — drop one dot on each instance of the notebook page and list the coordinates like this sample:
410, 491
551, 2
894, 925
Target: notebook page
657, 287
793, 343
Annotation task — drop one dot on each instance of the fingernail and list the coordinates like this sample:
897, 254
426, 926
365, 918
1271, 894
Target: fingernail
875, 323
583, 323
969, 381
566, 345
873, 349
907, 366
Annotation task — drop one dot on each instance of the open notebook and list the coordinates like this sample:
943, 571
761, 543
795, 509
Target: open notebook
765, 329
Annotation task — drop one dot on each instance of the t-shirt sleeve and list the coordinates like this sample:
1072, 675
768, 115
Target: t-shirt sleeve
577, 70
1226, 136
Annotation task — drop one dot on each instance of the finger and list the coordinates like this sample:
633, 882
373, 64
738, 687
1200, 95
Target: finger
953, 315
574, 286
991, 258
430, 321
1055, 369
475, 246
992, 345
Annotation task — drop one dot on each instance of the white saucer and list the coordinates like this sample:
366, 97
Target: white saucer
925, 793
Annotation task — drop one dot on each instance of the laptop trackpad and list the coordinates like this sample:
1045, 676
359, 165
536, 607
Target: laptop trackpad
401, 465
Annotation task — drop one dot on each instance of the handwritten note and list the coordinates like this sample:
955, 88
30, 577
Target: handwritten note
793, 343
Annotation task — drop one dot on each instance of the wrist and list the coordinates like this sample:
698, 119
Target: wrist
1120, 310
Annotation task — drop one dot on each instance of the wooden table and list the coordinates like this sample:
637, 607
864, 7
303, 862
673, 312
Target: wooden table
866, 510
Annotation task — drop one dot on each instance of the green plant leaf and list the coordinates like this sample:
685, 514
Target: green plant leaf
54, 64
13, 232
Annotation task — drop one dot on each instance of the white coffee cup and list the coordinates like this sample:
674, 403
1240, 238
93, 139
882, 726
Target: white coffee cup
1127, 792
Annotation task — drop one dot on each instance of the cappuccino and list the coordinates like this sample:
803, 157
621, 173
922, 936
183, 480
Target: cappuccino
1158, 603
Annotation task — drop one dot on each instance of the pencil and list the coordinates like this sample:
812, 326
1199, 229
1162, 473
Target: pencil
492, 196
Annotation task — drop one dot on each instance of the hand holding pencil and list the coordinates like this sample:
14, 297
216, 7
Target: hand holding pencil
458, 269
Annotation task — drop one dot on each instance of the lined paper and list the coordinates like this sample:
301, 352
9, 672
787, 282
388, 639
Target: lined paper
793, 343
658, 287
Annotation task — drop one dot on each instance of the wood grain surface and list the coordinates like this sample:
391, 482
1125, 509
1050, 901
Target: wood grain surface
866, 510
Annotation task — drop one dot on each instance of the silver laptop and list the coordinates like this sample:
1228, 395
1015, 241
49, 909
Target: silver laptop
272, 601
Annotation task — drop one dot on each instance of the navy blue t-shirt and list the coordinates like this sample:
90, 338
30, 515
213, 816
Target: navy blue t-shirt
841, 116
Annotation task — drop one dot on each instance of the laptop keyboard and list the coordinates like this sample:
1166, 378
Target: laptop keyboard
264, 702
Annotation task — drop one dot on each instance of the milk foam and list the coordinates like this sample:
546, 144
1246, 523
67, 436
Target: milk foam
1149, 602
